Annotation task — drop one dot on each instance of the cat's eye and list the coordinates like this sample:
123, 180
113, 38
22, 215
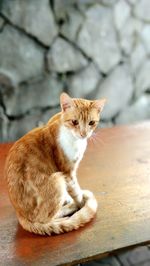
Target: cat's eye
75, 122
91, 123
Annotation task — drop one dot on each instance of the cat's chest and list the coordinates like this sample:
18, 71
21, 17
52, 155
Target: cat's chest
73, 149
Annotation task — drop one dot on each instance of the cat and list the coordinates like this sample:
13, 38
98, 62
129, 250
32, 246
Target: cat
41, 170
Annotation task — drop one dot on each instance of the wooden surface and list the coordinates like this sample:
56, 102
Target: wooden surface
116, 168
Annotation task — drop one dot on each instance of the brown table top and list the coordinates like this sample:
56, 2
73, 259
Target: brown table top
116, 168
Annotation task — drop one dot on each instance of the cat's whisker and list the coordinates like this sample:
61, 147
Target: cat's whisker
96, 138
100, 134
100, 140
91, 141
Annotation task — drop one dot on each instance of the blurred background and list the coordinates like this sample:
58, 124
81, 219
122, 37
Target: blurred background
88, 48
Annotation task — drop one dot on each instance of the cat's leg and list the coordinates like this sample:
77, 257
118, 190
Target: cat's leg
72, 207
69, 206
67, 198
75, 191
67, 210
41, 203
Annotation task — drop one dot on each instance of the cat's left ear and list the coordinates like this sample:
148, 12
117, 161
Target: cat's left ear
99, 104
66, 101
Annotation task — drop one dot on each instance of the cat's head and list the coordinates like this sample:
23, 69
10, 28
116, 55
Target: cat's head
80, 116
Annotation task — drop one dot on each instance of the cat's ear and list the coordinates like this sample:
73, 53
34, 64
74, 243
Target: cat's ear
65, 101
99, 104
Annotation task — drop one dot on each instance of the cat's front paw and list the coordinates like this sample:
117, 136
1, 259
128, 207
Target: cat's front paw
80, 201
87, 194
68, 199
83, 197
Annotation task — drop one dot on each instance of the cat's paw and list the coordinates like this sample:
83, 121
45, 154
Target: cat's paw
87, 194
79, 200
83, 197
68, 199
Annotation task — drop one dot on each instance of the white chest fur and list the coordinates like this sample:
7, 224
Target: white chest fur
73, 148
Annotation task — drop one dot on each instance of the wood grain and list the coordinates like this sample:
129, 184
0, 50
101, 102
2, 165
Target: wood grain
116, 168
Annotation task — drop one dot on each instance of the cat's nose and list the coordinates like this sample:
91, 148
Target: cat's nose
83, 134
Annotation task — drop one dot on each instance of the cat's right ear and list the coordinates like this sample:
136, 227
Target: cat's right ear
65, 101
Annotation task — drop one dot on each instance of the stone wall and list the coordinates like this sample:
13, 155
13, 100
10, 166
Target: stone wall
88, 48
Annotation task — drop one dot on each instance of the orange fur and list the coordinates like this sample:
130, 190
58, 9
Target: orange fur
41, 170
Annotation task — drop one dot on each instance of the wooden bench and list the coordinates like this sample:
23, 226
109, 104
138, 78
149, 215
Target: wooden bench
116, 168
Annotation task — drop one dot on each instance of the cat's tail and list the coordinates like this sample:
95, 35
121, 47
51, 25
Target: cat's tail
66, 224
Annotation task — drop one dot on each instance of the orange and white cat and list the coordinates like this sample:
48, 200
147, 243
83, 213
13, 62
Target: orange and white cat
41, 170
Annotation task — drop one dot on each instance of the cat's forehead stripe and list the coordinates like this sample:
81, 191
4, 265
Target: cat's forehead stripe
83, 104
83, 115
84, 107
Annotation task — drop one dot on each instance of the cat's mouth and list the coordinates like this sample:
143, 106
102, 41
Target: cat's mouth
79, 136
83, 137
86, 136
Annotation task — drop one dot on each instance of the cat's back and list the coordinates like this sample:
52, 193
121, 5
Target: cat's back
26, 143
28, 151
